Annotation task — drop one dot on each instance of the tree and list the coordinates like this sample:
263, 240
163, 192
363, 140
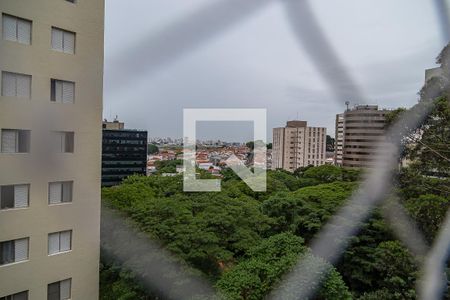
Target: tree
167, 166
396, 269
273, 185
427, 145
287, 178
206, 230
125, 195
264, 266
116, 283
428, 211
324, 173
411, 183
330, 144
152, 149
299, 171
224, 234
430, 150
357, 263
306, 210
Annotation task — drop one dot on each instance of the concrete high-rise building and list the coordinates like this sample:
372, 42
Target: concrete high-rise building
360, 135
50, 148
298, 145
339, 140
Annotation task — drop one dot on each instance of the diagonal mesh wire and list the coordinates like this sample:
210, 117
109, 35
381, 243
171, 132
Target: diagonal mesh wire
329, 244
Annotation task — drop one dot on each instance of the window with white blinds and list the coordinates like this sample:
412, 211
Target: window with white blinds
17, 296
60, 290
63, 40
16, 29
14, 196
15, 141
62, 91
63, 141
13, 251
59, 242
16, 85
60, 192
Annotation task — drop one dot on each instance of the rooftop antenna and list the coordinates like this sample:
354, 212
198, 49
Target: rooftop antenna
297, 116
347, 103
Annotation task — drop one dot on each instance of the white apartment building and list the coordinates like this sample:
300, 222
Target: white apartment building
298, 145
51, 68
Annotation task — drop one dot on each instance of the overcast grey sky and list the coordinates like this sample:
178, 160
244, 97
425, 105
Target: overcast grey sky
385, 44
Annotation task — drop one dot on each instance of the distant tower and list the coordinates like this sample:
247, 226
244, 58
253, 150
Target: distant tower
347, 103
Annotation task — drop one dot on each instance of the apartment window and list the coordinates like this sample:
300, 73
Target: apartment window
63, 141
17, 296
62, 91
14, 196
16, 85
59, 290
15, 141
59, 242
16, 29
63, 40
60, 192
13, 251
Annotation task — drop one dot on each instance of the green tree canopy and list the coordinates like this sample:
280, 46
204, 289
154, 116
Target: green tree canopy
152, 149
306, 210
263, 268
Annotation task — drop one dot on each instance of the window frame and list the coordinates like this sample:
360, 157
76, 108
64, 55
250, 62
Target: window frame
59, 242
26, 137
13, 186
69, 183
58, 284
13, 296
13, 252
16, 74
17, 29
53, 96
64, 32
66, 142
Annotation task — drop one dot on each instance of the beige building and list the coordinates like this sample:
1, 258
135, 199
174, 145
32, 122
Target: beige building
360, 136
298, 145
51, 64
114, 125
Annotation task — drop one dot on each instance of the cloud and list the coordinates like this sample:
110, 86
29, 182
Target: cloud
247, 56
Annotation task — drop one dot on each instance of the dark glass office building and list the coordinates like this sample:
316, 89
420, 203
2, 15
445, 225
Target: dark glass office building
124, 154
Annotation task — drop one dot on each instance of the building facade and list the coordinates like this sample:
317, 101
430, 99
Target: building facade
124, 153
339, 140
50, 109
114, 125
298, 145
360, 136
